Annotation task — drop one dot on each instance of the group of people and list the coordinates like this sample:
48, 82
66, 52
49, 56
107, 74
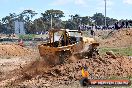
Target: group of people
124, 24
116, 26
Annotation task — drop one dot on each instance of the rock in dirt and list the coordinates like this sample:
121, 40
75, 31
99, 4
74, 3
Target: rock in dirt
111, 53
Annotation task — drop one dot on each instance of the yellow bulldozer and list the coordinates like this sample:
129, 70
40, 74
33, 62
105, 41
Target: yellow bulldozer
62, 43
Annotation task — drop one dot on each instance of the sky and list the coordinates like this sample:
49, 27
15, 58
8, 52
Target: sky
119, 9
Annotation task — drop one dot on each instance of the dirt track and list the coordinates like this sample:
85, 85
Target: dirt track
31, 71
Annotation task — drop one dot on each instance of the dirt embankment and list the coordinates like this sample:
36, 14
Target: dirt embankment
120, 38
12, 50
38, 73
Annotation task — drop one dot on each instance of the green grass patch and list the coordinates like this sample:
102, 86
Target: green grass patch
30, 36
125, 51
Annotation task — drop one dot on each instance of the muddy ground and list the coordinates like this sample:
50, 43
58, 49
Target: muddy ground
22, 67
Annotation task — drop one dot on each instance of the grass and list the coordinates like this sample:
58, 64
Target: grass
125, 51
30, 36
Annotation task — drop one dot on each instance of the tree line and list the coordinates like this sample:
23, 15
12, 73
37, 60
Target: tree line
43, 23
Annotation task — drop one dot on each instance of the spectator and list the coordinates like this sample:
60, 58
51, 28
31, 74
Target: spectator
130, 23
117, 26
92, 26
107, 26
122, 24
127, 24
92, 33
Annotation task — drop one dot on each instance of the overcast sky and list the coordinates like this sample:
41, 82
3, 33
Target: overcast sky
119, 9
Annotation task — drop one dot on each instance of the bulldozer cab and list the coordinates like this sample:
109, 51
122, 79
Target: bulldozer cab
62, 37
58, 38
75, 36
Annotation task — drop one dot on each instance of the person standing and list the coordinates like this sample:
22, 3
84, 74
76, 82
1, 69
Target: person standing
122, 24
116, 26
92, 26
127, 24
92, 33
107, 26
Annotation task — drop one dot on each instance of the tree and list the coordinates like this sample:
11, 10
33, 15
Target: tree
70, 25
77, 19
26, 16
55, 14
9, 23
74, 22
1, 26
110, 21
40, 25
98, 18
86, 20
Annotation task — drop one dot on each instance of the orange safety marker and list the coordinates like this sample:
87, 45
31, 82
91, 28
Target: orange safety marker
21, 43
85, 73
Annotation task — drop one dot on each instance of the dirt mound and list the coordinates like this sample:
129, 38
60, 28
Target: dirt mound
120, 38
38, 74
98, 68
12, 50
